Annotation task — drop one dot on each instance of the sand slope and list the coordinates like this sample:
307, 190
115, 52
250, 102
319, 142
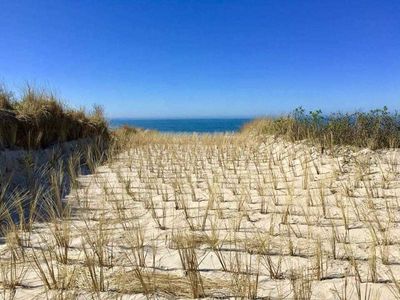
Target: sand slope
219, 216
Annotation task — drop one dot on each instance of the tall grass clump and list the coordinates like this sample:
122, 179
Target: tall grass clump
39, 119
6, 98
376, 129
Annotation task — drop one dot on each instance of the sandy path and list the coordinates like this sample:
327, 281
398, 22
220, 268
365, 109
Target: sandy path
222, 216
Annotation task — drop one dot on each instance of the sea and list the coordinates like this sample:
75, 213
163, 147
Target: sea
213, 125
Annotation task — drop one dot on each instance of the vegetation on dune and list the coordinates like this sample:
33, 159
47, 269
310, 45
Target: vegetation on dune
375, 129
211, 216
38, 119
36, 182
198, 216
33, 184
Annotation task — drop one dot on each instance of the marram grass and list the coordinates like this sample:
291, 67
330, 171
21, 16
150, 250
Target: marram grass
39, 119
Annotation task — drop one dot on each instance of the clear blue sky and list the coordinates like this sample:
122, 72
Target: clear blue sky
205, 58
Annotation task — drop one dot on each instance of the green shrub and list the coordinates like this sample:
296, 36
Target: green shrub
375, 129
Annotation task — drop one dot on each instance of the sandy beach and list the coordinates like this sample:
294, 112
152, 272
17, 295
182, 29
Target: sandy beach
189, 216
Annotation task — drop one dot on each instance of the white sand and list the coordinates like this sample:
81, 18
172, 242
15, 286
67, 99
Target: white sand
326, 222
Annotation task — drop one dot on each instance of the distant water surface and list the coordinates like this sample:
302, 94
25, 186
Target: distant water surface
184, 125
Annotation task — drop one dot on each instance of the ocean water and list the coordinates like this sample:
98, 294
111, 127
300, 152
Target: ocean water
184, 125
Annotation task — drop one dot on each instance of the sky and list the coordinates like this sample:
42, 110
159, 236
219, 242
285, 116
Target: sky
185, 59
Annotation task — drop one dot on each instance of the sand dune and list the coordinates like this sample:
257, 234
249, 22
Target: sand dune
181, 216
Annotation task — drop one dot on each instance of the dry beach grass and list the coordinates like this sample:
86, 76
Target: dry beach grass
39, 119
217, 216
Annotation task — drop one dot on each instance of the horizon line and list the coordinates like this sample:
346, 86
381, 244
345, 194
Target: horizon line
185, 118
